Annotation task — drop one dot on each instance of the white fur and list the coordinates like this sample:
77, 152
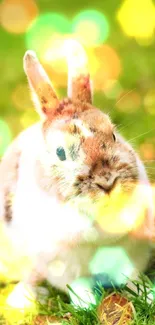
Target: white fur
46, 230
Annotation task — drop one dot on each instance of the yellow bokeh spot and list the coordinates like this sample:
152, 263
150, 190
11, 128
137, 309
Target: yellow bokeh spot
137, 18
54, 49
21, 97
54, 58
87, 32
12, 314
17, 15
54, 54
93, 62
122, 211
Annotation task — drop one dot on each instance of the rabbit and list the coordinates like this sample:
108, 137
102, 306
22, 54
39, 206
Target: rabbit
71, 187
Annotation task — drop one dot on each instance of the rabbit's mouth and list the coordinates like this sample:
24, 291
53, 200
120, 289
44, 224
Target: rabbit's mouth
85, 185
97, 188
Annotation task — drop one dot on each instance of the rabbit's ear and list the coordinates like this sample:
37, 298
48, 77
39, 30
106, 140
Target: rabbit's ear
43, 93
79, 84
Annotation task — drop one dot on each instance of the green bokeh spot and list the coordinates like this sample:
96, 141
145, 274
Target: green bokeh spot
41, 31
97, 18
112, 261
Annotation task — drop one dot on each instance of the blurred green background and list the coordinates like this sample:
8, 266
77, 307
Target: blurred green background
119, 37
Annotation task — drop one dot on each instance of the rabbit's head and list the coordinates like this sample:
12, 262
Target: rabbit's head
84, 158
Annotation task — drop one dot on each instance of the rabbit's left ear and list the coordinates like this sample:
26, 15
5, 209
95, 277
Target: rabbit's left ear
79, 83
43, 94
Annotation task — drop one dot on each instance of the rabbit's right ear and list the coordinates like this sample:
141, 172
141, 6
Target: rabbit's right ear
79, 83
43, 94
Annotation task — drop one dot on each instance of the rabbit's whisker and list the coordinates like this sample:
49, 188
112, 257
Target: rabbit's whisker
140, 135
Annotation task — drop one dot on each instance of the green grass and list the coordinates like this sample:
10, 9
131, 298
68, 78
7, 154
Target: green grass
58, 304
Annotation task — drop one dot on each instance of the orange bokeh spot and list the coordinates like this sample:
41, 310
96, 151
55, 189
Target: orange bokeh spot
147, 150
108, 66
17, 15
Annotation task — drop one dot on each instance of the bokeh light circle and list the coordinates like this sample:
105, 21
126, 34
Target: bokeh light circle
137, 18
54, 57
46, 37
45, 28
21, 97
147, 150
17, 15
107, 66
129, 210
5, 136
118, 267
91, 27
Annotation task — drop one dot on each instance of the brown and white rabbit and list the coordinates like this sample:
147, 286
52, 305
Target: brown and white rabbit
71, 187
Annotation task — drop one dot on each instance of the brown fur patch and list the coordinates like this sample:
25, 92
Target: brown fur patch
81, 88
66, 109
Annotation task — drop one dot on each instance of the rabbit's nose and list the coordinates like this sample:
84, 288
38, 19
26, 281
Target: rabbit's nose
106, 185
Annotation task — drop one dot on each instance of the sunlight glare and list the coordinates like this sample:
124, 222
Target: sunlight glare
83, 289
21, 297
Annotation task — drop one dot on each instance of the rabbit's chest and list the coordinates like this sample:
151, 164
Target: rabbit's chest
40, 221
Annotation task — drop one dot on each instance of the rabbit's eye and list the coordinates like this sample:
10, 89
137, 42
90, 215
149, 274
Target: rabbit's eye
61, 153
114, 137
